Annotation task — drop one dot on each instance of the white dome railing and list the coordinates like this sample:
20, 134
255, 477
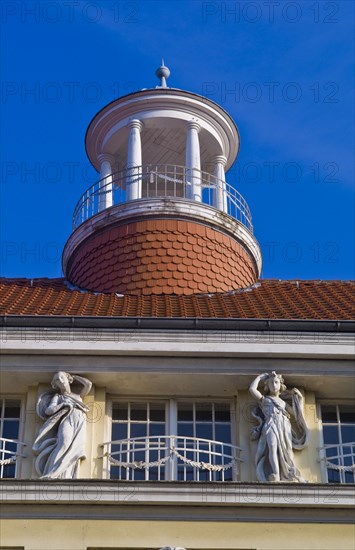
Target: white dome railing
165, 181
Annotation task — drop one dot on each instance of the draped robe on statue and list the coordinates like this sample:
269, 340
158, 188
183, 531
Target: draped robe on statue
275, 426
60, 443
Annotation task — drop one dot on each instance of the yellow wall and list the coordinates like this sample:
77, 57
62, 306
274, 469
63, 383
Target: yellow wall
80, 535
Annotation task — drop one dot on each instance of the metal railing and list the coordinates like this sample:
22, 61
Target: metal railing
162, 180
172, 457
340, 458
10, 450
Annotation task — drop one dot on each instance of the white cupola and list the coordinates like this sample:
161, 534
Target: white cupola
162, 155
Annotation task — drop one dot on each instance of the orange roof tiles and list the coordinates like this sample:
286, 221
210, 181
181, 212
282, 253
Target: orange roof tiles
267, 299
152, 257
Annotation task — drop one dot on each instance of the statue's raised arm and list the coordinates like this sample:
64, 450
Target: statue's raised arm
60, 443
85, 383
274, 458
254, 386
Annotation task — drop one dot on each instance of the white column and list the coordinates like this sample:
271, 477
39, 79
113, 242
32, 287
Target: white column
134, 162
193, 163
220, 195
105, 185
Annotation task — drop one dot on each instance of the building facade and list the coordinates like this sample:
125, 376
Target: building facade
141, 402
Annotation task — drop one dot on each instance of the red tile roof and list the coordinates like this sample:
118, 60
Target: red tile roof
267, 299
161, 256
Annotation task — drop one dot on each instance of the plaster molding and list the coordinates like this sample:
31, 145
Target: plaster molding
200, 343
106, 157
193, 125
276, 495
220, 159
136, 124
167, 103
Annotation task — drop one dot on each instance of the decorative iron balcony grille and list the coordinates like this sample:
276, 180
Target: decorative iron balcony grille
172, 457
168, 181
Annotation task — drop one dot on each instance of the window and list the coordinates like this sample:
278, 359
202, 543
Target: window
339, 442
199, 424
172, 440
137, 428
9, 432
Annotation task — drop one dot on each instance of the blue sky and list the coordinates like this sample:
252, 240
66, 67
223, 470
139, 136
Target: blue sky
283, 70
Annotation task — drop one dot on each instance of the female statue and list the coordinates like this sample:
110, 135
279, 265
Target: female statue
60, 444
277, 438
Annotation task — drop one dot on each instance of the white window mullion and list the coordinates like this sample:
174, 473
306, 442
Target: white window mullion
172, 430
146, 443
214, 421
340, 448
213, 448
321, 444
128, 439
107, 436
234, 438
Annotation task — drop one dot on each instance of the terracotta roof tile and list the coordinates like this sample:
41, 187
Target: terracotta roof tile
267, 299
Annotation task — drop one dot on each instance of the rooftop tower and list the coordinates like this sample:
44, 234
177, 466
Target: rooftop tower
162, 219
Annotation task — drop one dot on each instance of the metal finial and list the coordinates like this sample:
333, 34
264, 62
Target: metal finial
163, 73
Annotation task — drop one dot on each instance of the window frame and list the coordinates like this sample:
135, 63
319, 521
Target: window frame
129, 422
171, 422
322, 454
22, 399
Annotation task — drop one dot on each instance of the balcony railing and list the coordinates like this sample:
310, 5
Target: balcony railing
172, 457
162, 180
10, 450
340, 458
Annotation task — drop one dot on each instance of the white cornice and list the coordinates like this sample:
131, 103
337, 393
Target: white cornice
283, 495
150, 104
119, 342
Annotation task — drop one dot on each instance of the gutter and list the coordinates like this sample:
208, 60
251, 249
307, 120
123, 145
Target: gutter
178, 323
